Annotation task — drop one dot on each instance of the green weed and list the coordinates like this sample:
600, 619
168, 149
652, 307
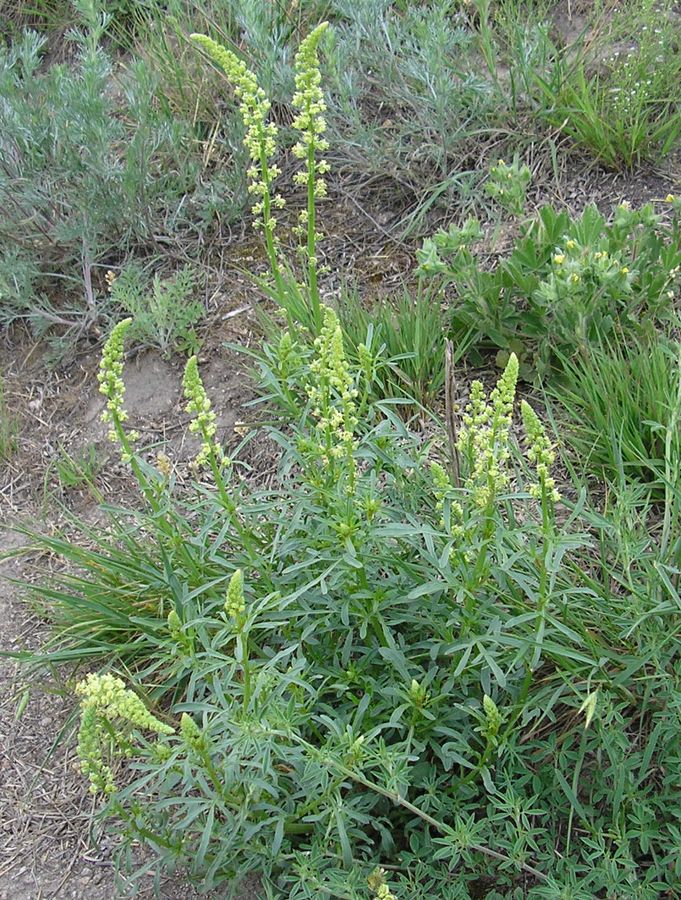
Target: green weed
164, 311
371, 663
567, 282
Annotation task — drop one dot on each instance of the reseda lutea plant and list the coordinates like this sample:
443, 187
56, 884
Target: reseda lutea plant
375, 661
261, 143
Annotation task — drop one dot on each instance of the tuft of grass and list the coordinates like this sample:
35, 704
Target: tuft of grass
408, 333
80, 470
618, 96
622, 404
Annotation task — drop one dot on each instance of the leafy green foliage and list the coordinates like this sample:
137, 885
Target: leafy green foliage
368, 662
566, 283
164, 311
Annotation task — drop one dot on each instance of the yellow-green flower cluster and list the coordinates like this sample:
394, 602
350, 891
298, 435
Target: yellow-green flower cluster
110, 377
332, 392
540, 454
235, 603
442, 488
199, 408
308, 99
507, 184
105, 698
484, 439
261, 135
493, 719
288, 357
191, 733
378, 885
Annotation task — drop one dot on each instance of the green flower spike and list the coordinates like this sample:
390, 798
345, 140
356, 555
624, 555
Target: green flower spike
443, 486
203, 418
308, 99
174, 625
540, 453
235, 604
261, 135
484, 437
332, 393
111, 384
105, 698
191, 733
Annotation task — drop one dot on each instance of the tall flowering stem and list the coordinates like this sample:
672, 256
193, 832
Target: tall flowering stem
540, 453
332, 397
484, 445
110, 377
308, 100
235, 609
260, 141
204, 424
484, 438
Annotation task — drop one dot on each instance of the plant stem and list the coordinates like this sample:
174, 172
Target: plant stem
312, 240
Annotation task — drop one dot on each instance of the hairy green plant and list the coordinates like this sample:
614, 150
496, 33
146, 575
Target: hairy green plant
567, 282
376, 662
164, 311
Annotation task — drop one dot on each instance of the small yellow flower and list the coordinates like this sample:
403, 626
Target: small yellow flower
559, 259
669, 198
624, 270
571, 245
